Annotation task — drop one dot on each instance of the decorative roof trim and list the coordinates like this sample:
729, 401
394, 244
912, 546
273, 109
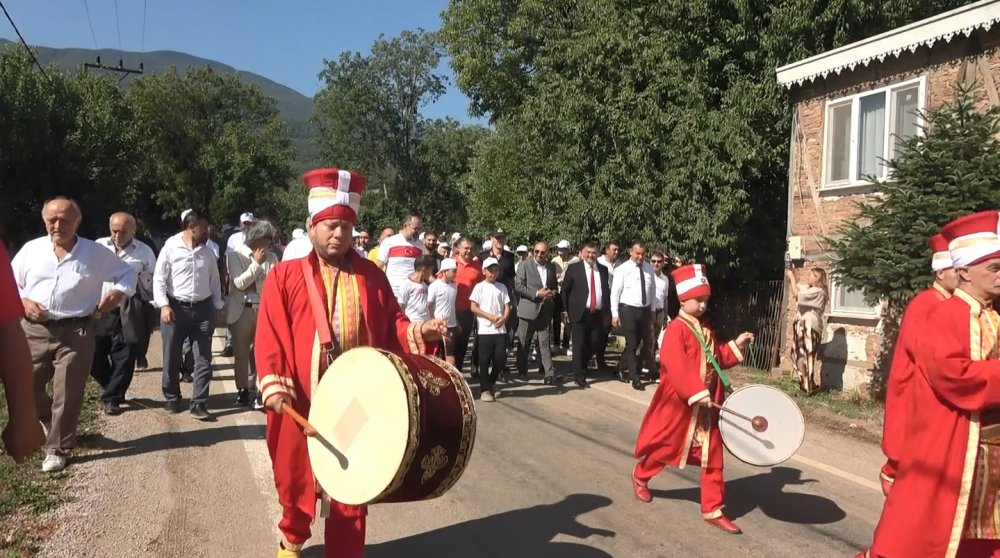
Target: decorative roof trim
943, 27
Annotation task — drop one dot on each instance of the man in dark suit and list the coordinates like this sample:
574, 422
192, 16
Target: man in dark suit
586, 295
536, 285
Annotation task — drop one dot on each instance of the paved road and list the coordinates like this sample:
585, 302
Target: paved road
549, 478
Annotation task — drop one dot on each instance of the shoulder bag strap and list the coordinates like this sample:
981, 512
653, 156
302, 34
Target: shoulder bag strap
708, 353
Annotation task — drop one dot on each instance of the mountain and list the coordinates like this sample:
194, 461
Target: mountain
295, 107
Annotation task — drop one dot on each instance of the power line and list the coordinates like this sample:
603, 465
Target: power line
143, 48
118, 26
31, 53
90, 23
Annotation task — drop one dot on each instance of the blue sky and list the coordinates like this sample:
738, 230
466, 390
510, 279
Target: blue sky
285, 41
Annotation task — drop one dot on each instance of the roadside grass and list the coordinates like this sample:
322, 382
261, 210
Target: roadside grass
848, 404
26, 493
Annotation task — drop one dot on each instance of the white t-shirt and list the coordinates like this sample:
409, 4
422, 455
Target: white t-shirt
413, 300
399, 255
298, 248
442, 294
491, 298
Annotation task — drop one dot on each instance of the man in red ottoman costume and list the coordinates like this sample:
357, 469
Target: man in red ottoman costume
943, 503
354, 297
898, 403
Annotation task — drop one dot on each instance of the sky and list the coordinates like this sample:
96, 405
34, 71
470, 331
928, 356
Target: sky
285, 41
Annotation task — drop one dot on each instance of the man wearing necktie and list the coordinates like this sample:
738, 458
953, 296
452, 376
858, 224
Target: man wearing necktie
586, 296
632, 292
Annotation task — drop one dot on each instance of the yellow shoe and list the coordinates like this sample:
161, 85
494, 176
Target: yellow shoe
285, 553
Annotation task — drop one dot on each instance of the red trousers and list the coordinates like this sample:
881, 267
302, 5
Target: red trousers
713, 487
293, 478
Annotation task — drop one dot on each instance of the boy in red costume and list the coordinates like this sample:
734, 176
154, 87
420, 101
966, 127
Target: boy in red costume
898, 403
943, 503
680, 426
355, 300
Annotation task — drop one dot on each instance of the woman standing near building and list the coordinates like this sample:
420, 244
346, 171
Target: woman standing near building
810, 300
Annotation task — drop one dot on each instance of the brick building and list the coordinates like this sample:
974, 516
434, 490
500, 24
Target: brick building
850, 106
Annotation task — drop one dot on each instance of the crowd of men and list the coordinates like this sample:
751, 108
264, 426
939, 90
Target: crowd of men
90, 307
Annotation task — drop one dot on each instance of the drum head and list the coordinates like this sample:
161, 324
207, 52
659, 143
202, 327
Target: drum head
785, 425
361, 412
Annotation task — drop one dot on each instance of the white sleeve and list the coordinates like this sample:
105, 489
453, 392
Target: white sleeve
617, 285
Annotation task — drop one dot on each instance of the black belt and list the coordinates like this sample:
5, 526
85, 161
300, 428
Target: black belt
251, 304
63, 322
174, 301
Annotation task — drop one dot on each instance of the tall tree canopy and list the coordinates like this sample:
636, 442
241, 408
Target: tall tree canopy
659, 118
369, 119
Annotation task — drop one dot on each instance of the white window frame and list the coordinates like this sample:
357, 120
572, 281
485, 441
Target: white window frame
838, 310
854, 100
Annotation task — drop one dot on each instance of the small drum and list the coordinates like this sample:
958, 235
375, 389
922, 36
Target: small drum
782, 436
391, 428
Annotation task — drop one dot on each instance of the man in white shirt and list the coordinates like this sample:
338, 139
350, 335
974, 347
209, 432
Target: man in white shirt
187, 290
660, 318
413, 292
560, 335
119, 333
491, 305
397, 253
300, 246
441, 297
60, 278
237, 238
609, 258
633, 296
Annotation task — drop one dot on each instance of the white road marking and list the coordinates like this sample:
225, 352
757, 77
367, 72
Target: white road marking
798, 458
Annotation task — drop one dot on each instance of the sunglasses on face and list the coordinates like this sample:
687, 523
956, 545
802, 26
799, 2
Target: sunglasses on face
656, 261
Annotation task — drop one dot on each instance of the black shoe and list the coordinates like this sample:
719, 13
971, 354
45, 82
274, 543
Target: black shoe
173, 407
637, 385
187, 378
583, 383
227, 352
243, 398
112, 409
141, 364
553, 380
199, 412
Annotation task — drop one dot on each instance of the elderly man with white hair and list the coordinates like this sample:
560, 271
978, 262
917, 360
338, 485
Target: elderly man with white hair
61, 279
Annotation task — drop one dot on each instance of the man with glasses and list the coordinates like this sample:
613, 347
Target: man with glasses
397, 254
537, 287
660, 301
586, 294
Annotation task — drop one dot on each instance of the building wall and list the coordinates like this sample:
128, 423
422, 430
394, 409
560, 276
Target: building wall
850, 343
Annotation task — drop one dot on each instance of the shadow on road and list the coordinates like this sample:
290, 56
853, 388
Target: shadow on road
766, 492
525, 533
200, 437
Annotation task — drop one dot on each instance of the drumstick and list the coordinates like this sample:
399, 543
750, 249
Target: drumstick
307, 428
758, 423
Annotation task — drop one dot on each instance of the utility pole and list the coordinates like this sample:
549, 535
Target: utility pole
120, 68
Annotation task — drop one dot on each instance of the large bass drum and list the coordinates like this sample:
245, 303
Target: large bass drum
780, 439
391, 428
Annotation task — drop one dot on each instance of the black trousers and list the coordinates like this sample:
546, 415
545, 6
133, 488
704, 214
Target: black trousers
637, 326
492, 357
467, 322
587, 335
114, 359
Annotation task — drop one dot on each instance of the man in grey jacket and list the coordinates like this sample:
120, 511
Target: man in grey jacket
536, 285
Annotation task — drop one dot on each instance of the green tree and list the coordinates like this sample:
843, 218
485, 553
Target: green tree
657, 118
951, 170
210, 141
61, 135
369, 119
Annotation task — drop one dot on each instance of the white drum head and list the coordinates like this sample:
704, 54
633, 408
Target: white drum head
361, 412
785, 425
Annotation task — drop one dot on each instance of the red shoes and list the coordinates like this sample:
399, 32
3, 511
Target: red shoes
726, 524
641, 490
